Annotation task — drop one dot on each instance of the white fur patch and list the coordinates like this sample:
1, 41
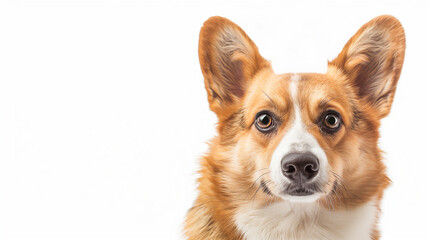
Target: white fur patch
305, 221
297, 139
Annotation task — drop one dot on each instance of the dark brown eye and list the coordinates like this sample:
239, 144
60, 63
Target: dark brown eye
331, 122
264, 122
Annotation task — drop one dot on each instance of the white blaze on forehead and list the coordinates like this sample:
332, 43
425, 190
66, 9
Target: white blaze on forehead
296, 139
293, 87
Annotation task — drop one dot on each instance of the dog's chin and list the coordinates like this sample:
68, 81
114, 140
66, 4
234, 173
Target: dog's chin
307, 198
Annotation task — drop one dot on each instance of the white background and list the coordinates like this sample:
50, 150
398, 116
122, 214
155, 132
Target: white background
103, 113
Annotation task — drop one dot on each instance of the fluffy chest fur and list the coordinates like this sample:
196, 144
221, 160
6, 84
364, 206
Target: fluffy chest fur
305, 222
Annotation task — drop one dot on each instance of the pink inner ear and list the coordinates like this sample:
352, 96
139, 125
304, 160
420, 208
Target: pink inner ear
234, 79
370, 63
369, 79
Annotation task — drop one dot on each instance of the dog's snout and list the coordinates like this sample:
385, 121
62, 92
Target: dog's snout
300, 167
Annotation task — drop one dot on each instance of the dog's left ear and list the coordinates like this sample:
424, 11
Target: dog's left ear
372, 59
229, 59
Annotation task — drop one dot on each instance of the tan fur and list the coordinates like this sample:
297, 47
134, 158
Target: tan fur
359, 84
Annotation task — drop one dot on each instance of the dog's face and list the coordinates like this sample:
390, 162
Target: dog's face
303, 137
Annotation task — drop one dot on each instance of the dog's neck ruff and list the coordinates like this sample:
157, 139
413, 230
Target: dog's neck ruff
305, 221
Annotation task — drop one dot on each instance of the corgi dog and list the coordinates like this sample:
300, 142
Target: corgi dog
296, 154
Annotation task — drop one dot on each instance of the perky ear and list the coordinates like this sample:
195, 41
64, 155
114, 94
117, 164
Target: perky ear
229, 59
373, 59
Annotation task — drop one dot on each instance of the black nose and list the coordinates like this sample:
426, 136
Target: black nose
300, 167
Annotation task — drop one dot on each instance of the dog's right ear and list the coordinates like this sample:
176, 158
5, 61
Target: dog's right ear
229, 59
372, 60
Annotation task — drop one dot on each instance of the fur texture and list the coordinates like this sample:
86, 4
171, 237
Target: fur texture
242, 189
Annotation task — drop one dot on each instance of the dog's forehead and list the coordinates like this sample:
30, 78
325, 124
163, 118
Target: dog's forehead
313, 87
302, 87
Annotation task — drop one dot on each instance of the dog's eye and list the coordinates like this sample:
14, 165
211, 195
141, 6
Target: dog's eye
264, 122
331, 122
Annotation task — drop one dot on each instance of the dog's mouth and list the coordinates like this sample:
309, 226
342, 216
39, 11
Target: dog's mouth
297, 190
300, 189
300, 192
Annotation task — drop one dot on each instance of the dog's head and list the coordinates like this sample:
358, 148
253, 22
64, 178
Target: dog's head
303, 137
